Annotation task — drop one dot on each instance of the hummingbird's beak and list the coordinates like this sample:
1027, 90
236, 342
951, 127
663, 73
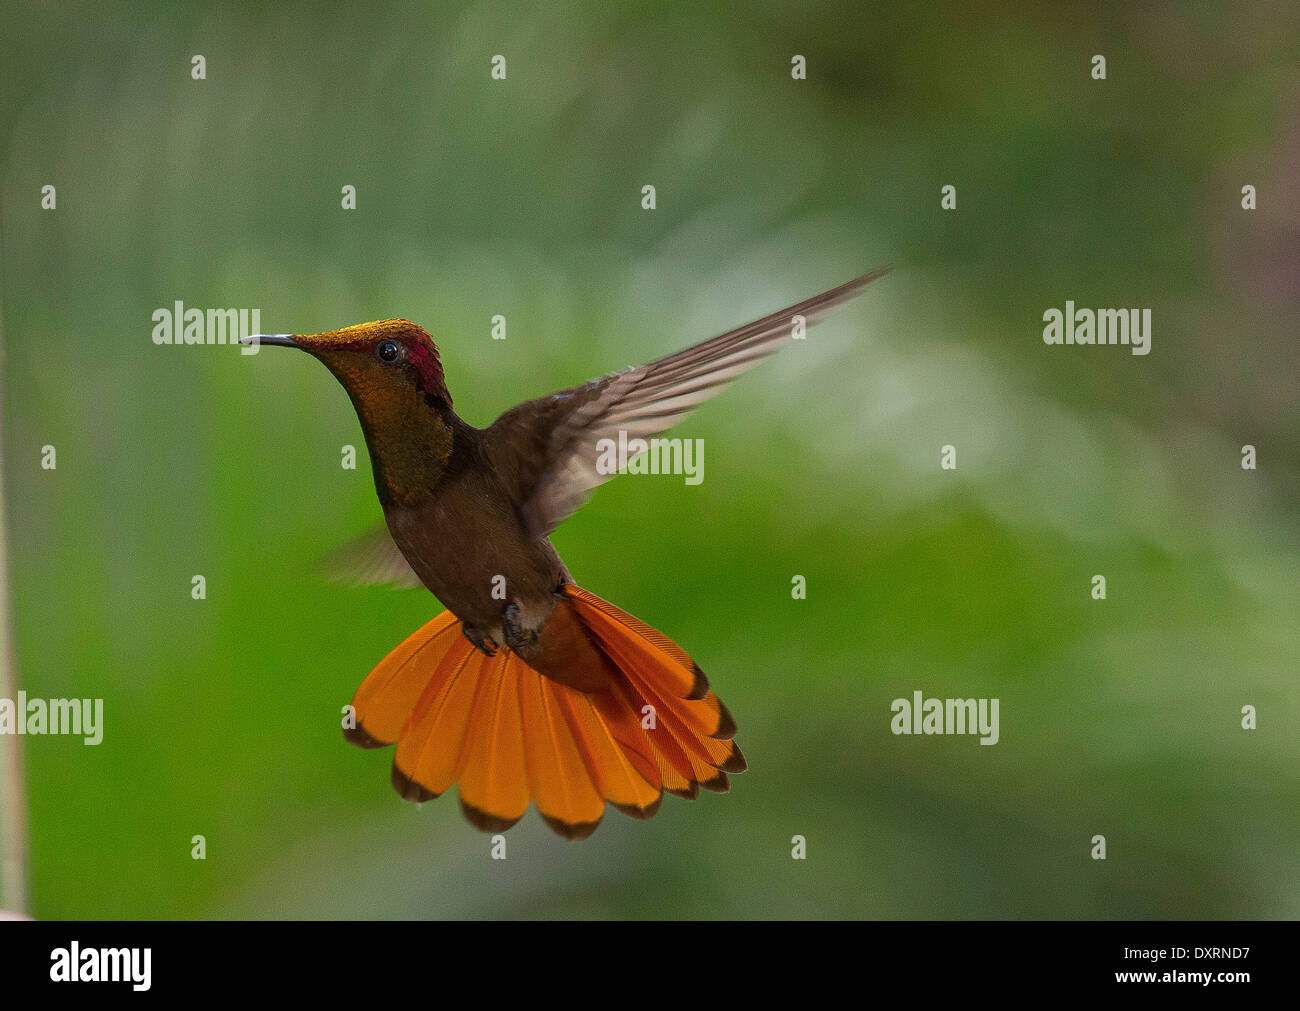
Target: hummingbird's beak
278, 340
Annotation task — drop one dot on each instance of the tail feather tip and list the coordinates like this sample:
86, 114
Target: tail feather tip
485, 821
409, 789
573, 831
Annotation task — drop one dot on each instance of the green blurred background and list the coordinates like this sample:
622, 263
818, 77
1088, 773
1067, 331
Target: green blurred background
523, 197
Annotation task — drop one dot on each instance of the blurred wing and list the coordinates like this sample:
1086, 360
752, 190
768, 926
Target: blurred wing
370, 559
551, 441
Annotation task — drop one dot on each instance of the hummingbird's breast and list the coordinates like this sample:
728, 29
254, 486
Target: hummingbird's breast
465, 541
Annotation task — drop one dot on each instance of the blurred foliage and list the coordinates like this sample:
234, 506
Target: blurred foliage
522, 197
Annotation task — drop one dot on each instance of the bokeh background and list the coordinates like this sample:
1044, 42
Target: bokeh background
523, 197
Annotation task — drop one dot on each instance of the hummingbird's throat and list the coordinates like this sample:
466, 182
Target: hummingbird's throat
408, 430
410, 441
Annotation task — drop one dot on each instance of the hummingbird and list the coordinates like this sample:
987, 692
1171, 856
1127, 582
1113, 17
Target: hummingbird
527, 688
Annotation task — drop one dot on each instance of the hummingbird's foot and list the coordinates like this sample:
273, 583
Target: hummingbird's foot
481, 642
516, 635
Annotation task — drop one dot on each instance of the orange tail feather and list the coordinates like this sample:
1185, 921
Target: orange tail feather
509, 734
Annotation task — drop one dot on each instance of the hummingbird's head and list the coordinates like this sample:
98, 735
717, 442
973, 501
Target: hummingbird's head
388, 359
393, 375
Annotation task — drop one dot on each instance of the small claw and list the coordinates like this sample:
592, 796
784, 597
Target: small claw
516, 635
481, 642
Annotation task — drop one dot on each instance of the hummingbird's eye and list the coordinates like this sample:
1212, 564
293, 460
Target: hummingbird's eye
389, 351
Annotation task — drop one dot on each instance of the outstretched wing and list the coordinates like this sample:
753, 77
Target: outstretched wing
549, 445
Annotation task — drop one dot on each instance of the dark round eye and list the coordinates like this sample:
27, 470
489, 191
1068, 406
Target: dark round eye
389, 351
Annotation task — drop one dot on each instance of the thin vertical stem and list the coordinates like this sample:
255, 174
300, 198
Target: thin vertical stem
13, 792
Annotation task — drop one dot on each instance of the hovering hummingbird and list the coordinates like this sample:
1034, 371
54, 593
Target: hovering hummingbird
527, 687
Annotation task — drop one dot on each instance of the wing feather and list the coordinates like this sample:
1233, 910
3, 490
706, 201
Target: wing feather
562, 430
368, 560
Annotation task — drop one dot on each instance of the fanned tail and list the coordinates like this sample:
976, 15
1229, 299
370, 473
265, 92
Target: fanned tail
508, 733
